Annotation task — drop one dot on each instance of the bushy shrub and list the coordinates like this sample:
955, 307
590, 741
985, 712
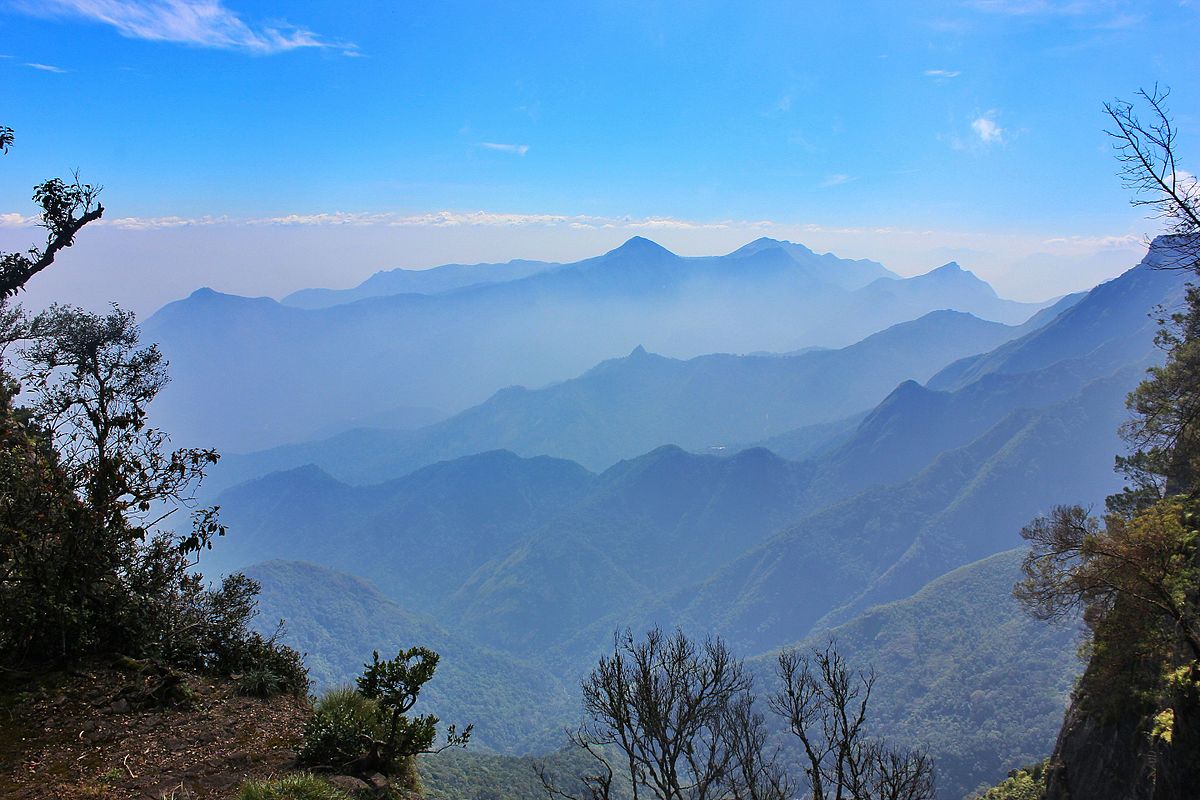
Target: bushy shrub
337, 735
297, 786
1027, 783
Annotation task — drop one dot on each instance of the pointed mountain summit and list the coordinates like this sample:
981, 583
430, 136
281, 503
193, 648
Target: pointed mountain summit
953, 271
765, 243
641, 247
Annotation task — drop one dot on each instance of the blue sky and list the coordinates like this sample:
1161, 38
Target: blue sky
263, 146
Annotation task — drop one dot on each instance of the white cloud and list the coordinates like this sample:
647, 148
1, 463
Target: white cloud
431, 219
942, 73
158, 223
1128, 241
987, 130
201, 23
47, 68
519, 149
15, 220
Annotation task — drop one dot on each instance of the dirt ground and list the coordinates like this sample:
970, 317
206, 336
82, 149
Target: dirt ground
96, 733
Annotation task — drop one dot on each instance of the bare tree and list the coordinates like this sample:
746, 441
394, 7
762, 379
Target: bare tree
1147, 152
675, 719
759, 773
825, 704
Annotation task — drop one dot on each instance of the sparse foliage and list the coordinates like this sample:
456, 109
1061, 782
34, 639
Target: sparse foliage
674, 719
824, 703
663, 712
92, 384
1147, 152
66, 208
395, 685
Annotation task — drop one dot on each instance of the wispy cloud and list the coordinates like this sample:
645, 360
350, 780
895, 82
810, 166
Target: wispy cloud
944, 74
46, 68
518, 149
200, 23
1126, 241
987, 130
836, 179
1028, 8
430, 219
1094, 14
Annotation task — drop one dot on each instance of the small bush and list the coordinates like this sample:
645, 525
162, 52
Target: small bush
275, 668
342, 724
259, 683
297, 786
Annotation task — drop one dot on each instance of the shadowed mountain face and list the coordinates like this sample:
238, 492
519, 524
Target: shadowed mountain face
291, 371
628, 406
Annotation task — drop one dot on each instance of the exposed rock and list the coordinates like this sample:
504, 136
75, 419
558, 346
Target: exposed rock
352, 786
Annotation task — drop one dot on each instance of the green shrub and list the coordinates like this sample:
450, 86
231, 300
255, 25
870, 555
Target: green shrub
297, 786
259, 683
1027, 783
342, 724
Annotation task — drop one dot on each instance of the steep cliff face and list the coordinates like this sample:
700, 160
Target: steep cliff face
1103, 757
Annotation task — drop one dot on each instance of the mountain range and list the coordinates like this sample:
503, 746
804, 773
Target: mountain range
625, 407
872, 492
293, 372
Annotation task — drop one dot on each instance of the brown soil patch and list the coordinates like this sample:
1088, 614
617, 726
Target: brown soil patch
77, 735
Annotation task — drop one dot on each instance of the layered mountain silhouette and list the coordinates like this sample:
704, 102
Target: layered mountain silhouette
291, 372
881, 506
760, 548
417, 281
628, 406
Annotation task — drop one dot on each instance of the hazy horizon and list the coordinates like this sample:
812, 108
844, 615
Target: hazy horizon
260, 149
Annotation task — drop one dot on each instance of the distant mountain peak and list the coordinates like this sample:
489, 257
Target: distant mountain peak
767, 243
639, 246
947, 268
638, 352
954, 273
